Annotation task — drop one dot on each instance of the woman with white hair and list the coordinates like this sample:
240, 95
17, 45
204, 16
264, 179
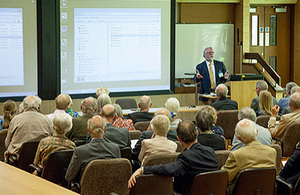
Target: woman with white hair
172, 104
120, 121
62, 123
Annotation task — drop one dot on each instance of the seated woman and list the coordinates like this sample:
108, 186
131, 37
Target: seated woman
265, 103
158, 142
204, 120
62, 123
120, 121
9, 111
69, 110
214, 128
172, 104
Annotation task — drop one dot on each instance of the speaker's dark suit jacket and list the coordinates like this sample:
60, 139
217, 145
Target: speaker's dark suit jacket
117, 135
172, 135
189, 163
96, 149
205, 81
225, 104
140, 116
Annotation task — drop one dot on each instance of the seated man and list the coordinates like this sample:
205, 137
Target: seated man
171, 135
144, 114
158, 142
195, 159
29, 125
223, 103
260, 86
285, 120
100, 91
62, 102
79, 128
288, 110
263, 134
284, 102
253, 155
96, 149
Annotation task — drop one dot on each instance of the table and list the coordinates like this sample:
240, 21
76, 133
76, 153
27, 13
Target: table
16, 181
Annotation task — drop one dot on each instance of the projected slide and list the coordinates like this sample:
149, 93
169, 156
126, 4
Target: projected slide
121, 46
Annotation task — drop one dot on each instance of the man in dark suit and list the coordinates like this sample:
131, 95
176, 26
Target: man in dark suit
144, 114
172, 135
211, 73
195, 159
96, 149
223, 103
119, 136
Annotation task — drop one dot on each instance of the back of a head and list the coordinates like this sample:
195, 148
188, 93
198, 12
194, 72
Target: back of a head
295, 100
71, 101
102, 90
118, 110
62, 101
163, 111
96, 125
108, 111
172, 104
144, 102
9, 110
247, 113
62, 123
289, 86
88, 105
262, 85
204, 119
295, 89
186, 131
103, 100
160, 125
246, 130
266, 101
32, 102
221, 90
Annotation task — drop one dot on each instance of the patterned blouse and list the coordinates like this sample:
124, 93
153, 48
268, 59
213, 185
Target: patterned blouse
48, 145
127, 124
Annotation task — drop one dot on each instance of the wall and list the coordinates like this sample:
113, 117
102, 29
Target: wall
296, 45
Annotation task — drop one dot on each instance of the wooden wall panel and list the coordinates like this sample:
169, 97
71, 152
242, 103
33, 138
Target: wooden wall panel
296, 44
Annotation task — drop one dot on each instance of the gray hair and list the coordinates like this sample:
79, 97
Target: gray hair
204, 119
204, 51
144, 102
118, 110
221, 90
173, 105
160, 125
32, 102
102, 90
246, 130
262, 85
247, 113
62, 123
88, 105
295, 100
289, 86
295, 89
96, 125
102, 100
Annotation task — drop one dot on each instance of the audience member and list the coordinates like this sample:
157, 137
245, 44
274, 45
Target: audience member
172, 104
253, 155
29, 125
288, 110
119, 136
195, 159
100, 91
223, 103
263, 134
158, 142
102, 100
79, 128
96, 149
9, 110
144, 114
62, 102
285, 120
260, 86
265, 103
215, 129
171, 135
284, 102
21, 107
62, 122
120, 121
204, 121
69, 110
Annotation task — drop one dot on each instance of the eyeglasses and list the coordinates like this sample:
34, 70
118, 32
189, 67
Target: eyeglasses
210, 52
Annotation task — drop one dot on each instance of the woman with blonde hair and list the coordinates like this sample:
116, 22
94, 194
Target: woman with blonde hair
265, 103
9, 111
173, 105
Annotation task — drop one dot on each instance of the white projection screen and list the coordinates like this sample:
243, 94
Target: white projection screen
18, 48
124, 45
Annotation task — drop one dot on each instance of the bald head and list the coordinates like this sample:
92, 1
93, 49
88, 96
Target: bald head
221, 91
96, 126
145, 103
246, 131
32, 102
163, 111
295, 89
62, 101
89, 105
295, 101
108, 112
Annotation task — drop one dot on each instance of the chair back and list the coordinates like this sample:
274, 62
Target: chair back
126, 153
180, 147
3, 134
135, 134
297, 187
79, 142
290, 138
127, 103
27, 154
205, 183
278, 157
106, 176
56, 167
160, 158
160, 185
222, 156
264, 119
228, 119
256, 181
142, 125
